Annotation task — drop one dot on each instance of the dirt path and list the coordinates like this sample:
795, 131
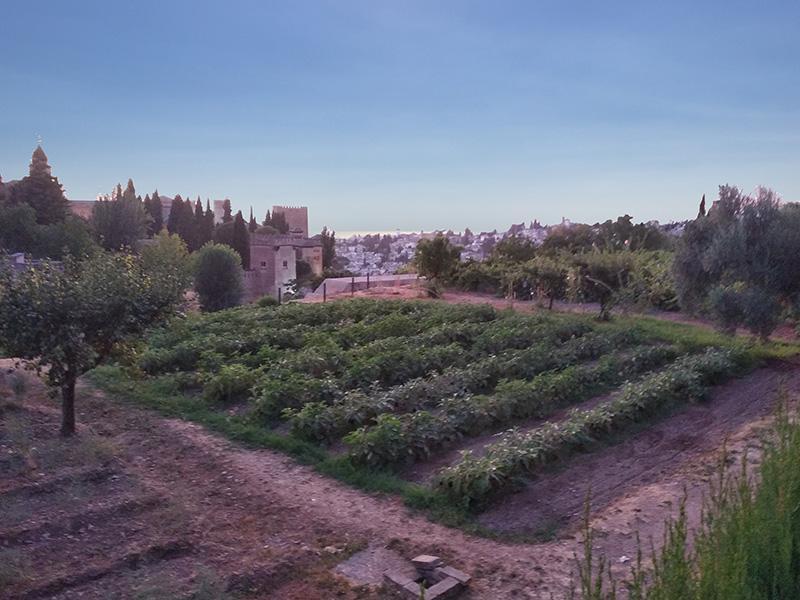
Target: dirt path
261, 523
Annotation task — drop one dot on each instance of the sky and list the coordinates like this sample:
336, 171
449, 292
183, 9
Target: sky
409, 115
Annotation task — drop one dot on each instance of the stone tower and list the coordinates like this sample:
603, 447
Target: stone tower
296, 217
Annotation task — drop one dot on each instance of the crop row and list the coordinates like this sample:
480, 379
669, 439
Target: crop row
473, 480
390, 362
256, 335
397, 439
323, 421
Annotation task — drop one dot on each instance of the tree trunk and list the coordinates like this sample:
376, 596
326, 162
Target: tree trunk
68, 407
550, 305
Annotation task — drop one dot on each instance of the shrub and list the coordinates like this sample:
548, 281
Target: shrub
231, 384
267, 302
218, 277
725, 307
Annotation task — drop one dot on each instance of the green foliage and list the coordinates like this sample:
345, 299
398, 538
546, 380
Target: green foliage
267, 301
599, 277
218, 277
473, 480
422, 432
746, 546
241, 240
67, 320
513, 249
230, 384
167, 254
41, 191
744, 244
121, 221
328, 248
436, 258
19, 232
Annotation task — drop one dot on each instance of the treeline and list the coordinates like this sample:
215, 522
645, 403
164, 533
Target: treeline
735, 264
613, 263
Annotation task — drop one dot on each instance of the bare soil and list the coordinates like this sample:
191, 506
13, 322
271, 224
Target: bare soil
139, 506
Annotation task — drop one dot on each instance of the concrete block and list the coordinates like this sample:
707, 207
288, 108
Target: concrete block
460, 576
425, 562
447, 588
395, 579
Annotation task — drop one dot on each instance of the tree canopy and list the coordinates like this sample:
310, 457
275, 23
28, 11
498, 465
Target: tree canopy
740, 260
66, 319
218, 277
436, 258
41, 191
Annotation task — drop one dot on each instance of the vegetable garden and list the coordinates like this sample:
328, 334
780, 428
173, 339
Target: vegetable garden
382, 386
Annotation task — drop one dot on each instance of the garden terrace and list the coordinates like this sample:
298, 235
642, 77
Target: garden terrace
373, 391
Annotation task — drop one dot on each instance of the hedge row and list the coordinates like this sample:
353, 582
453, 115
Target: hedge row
473, 480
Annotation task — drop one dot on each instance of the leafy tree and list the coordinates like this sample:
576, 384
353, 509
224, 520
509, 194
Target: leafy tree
72, 237
599, 276
168, 255
573, 239
241, 240
42, 191
548, 277
121, 222
744, 252
223, 234
218, 277
67, 320
18, 229
514, 249
19, 232
437, 258
328, 247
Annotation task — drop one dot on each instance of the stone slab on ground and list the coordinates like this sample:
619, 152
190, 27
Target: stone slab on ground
368, 566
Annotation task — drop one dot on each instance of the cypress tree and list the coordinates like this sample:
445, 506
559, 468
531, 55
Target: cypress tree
226, 207
200, 228
156, 213
175, 214
208, 222
267, 219
241, 240
147, 209
252, 225
130, 191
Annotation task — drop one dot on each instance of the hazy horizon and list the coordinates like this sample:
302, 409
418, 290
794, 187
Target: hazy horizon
381, 116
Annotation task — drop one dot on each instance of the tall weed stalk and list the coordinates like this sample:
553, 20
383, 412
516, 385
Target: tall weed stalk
746, 546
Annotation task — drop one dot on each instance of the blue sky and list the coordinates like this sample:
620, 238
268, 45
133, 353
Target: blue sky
409, 114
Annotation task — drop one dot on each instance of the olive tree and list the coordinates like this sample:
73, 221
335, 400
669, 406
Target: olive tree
739, 261
64, 320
